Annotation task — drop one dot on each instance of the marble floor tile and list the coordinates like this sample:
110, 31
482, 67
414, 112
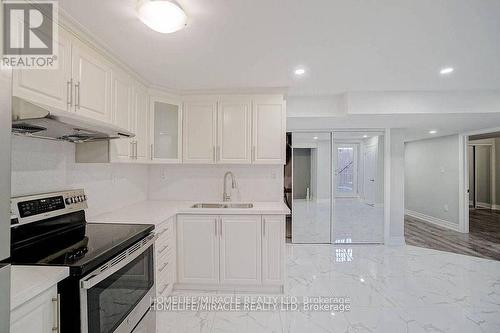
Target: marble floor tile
391, 289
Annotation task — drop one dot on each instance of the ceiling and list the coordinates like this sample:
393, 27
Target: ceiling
345, 45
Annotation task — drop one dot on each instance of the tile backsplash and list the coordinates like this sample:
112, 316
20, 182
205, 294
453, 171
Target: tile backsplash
205, 182
44, 166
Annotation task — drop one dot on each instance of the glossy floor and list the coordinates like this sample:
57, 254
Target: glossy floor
392, 289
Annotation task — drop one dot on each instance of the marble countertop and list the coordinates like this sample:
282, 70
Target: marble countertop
27, 282
158, 211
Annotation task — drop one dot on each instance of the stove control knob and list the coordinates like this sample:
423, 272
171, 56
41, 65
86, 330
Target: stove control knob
84, 197
67, 201
77, 199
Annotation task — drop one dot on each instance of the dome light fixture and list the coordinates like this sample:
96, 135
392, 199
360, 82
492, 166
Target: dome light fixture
162, 15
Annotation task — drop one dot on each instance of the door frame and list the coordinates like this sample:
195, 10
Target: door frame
491, 146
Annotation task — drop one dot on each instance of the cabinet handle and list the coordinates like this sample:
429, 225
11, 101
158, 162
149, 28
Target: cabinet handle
164, 288
132, 149
135, 144
152, 151
163, 267
215, 226
69, 92
163, 231
217, 156
253, 153
77, 95
214, 154
57, 313
163, 250
220, 226
264, 227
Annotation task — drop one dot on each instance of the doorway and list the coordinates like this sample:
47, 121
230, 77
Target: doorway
481, 175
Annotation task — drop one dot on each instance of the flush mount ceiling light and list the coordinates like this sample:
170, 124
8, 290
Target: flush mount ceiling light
446, 70
299, 71
365, 136
433, 132
315, 138
162, 15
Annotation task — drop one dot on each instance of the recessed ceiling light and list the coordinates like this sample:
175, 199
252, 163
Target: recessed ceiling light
433, 132
315, 138
365, 136
162, 15
300, 71
446, 70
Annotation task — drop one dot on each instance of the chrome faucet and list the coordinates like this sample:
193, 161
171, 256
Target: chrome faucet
226, 196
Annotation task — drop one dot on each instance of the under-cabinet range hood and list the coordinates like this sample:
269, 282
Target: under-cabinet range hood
48, 123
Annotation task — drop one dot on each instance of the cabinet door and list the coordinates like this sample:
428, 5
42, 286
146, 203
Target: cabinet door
199, 137
38, 315
50, 87
122, 114
273, 245
92, 80
197, 249
240, 249
141, 123
269, 131
233, 132
166, 130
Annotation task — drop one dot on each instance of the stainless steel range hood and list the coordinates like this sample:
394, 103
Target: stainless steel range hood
45, 122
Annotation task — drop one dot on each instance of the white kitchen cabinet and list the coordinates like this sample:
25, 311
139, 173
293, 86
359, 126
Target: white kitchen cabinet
38, 315
141, 122
269, 130
273, 244
234, 131
165, 258
91, 74
51, 87
122, 150
240, 249
166, 130
200, 132
197, 249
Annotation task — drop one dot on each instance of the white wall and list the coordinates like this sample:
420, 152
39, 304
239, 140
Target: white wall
205, 182
432, 179
45, 166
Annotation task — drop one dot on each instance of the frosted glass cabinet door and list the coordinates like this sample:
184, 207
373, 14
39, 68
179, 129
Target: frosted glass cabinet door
166, 126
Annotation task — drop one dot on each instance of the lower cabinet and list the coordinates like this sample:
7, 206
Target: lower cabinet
240, 252
165, 256
38, 315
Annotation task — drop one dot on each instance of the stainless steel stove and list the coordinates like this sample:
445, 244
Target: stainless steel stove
111, 283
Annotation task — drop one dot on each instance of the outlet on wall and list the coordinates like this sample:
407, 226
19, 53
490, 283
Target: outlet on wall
163, 175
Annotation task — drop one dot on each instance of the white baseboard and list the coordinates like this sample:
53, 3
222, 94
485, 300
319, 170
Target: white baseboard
483, 205
495, 207
396, 241
433, 220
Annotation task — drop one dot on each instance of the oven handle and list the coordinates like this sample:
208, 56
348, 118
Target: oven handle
129, 255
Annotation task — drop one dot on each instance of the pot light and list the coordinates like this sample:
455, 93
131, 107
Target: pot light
446, 70
162, 16
433, 132
365, 136
300, 71
315, 138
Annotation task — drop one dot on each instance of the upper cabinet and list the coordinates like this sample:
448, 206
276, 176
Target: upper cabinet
199, 138
269, 130
92, 82
140, 102
123, 150
50, 87
166, 130
234, 130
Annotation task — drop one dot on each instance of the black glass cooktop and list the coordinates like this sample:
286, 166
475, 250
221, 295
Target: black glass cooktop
69, 241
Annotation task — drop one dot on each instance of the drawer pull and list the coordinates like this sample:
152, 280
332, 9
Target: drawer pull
163, 249
163, 231
163, 267
164, 288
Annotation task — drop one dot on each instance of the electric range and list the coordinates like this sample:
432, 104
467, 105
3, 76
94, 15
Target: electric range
111, 283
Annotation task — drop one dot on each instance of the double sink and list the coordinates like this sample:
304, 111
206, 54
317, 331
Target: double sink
222, 205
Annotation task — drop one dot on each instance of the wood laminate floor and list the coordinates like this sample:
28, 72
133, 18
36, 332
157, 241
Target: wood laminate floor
483, 239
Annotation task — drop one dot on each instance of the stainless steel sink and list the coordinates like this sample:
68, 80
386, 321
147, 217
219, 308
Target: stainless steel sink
222, 205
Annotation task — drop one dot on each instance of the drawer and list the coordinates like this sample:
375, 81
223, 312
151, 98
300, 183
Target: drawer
164, 288
163, 246
165, 263
165, 229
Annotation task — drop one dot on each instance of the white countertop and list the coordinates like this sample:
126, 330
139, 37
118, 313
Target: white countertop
157, 211
27, 282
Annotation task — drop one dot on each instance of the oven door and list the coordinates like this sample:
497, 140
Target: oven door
116, 296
